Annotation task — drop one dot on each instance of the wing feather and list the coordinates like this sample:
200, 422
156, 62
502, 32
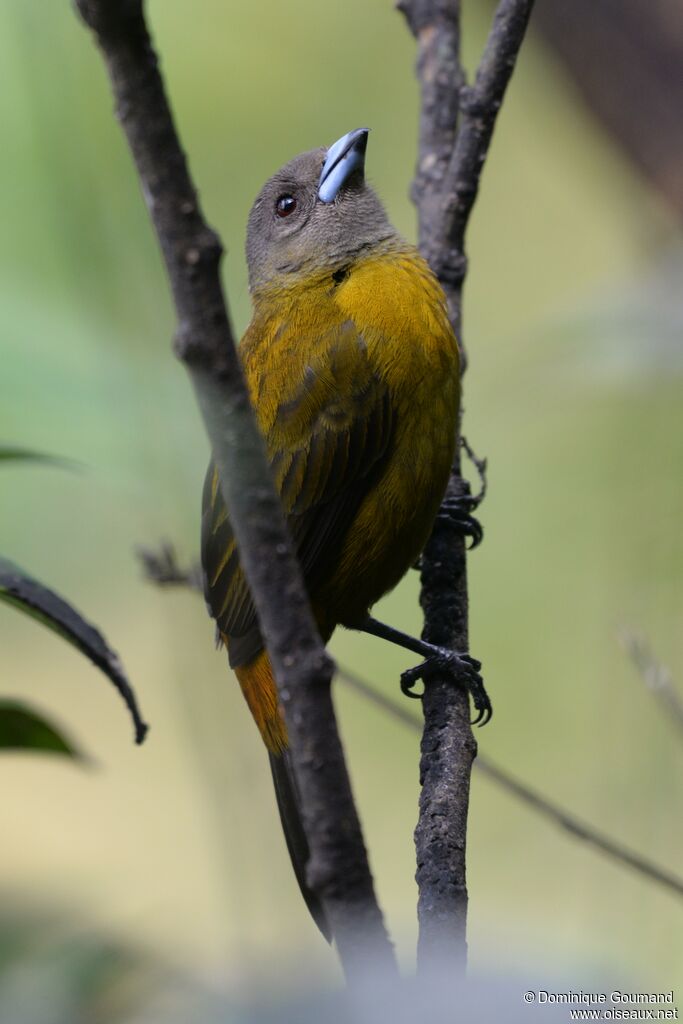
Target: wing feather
326, 444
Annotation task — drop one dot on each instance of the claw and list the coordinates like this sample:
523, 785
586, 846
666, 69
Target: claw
408, 680
458, 513
463, 668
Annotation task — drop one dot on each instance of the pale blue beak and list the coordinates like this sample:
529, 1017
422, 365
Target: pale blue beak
345, 157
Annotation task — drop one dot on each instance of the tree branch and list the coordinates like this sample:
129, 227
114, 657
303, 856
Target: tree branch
338, 869
546, 808
456, 124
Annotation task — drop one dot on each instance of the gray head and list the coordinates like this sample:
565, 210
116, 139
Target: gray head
316, 215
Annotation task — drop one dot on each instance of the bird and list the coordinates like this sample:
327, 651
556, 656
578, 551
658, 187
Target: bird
352, 367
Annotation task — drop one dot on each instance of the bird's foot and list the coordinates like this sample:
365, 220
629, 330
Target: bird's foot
463, 670
457, 512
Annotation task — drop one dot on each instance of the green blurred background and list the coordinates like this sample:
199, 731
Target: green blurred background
573, 322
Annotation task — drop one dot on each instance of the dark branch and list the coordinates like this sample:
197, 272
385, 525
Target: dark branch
456, 124
450, 163
548, 809
436, 27
192, 251
479, 106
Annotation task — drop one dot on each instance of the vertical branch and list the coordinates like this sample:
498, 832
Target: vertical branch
456, 124
192, 251
436, 27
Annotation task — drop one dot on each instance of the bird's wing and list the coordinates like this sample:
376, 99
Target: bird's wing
326, 442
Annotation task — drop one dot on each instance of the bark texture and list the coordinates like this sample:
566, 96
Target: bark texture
456, 124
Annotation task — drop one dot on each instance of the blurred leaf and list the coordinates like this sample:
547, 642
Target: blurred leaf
23, 729
10, 453
42, 604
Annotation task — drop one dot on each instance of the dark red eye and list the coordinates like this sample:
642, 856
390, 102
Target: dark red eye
285, 205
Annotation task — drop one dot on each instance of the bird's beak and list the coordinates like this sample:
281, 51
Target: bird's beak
345, 157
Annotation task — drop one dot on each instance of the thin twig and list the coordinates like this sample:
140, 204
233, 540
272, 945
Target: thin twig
481, 466
161, 566
656, 676
456, 124
338, 867
548, 809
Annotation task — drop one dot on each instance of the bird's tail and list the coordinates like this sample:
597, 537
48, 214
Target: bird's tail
297, 844
258, 687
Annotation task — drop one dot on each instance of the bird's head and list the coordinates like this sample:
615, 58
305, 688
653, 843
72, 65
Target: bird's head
317, 214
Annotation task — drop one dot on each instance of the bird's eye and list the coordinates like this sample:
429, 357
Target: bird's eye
285, 205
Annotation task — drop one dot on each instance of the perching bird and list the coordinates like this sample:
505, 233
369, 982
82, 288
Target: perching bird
352, 367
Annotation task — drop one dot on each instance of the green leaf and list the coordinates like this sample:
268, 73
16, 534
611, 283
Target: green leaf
12, 453
42, 604
23, 729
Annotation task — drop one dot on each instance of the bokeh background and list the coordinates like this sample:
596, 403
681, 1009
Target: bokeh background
161, 869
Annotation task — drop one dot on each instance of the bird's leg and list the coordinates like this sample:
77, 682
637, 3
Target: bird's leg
462, 668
